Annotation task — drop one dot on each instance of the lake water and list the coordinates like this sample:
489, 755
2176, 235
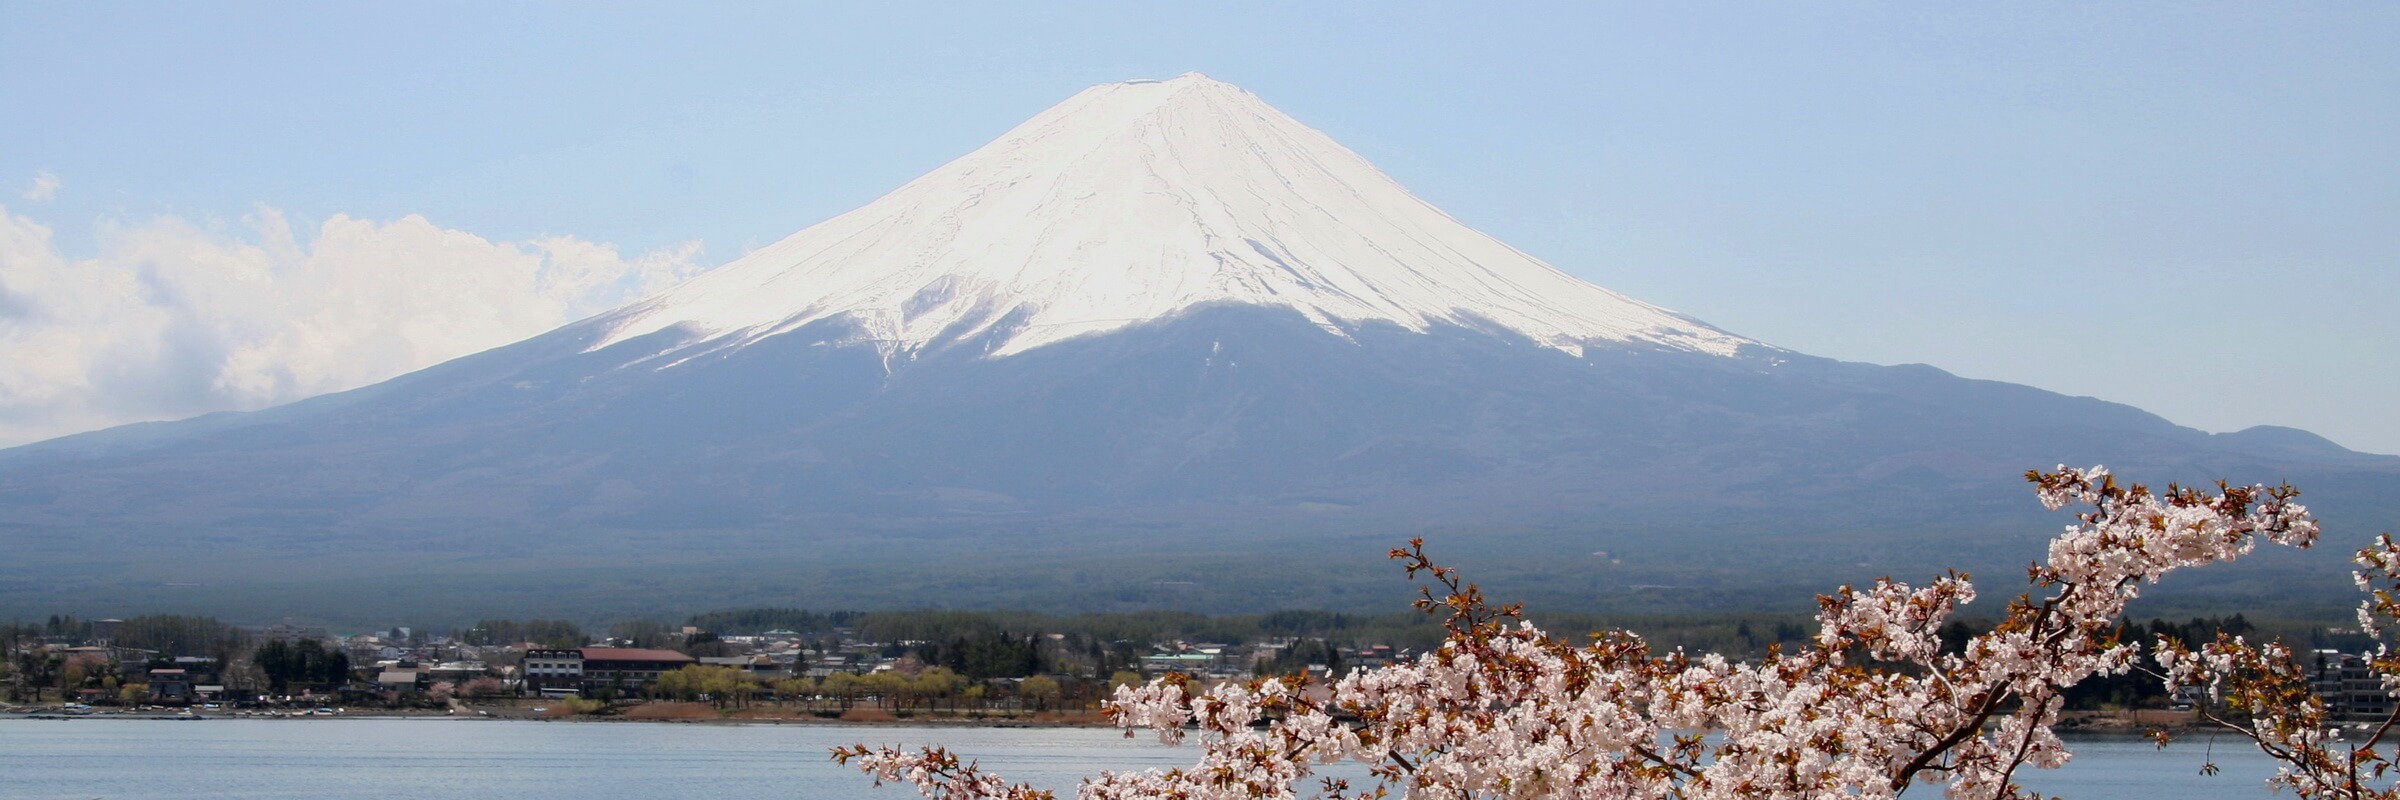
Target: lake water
398, 758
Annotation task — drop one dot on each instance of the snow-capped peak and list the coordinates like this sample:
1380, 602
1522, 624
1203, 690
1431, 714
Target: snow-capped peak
1130, 202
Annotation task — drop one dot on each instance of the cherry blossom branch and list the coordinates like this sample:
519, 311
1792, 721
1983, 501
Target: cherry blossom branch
1872, 706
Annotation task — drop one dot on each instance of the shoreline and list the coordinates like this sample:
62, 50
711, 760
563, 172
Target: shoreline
2084, 733
678, 713
2098, 724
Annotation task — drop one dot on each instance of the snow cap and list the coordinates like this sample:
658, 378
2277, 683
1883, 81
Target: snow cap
1131, 202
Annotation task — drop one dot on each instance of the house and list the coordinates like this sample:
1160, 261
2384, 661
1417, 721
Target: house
170, 685
398, 679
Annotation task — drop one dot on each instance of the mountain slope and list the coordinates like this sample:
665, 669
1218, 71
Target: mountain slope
1159, 346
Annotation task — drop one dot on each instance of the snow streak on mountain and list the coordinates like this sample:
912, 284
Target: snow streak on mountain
1131, 202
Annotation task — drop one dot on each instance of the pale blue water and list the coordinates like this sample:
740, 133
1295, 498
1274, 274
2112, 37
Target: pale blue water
438, 758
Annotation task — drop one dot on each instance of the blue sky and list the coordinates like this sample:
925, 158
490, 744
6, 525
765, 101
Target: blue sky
2191, 207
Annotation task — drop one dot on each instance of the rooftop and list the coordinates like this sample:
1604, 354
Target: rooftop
632, 654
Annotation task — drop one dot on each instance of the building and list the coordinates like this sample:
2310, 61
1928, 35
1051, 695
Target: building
170, 685
590, 669
626, 668
547, 669
400, 679
456, 671
764, 668
2350, 688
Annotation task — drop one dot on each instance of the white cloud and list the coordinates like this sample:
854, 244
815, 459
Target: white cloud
170, 320
45, 186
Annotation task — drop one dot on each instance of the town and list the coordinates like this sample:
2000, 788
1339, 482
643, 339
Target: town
824, 666
776, 664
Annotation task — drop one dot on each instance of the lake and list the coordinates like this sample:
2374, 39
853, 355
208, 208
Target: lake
422, 758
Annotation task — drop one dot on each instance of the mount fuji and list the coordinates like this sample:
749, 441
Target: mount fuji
1130, 203
1159, 346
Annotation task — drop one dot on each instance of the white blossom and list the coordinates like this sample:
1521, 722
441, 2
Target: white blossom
1871, 708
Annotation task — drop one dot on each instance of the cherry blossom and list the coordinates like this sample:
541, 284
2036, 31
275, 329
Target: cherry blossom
1872, 707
